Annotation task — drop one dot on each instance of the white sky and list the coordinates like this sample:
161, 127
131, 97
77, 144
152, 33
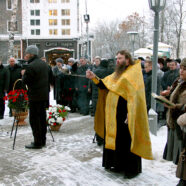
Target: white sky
108, 10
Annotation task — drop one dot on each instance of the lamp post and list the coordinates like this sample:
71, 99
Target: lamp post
156, 6
87, 20
132, 38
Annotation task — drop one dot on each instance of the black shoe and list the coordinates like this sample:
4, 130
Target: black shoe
131, 175
10, 114
43, 145
115, 169
1, 117
181, 183
33, 146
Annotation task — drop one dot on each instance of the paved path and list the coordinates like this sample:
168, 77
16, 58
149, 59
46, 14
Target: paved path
71, 160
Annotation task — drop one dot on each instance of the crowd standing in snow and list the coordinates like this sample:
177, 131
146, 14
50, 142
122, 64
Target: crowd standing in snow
123, 148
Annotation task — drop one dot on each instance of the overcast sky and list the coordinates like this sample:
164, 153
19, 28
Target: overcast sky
108, 10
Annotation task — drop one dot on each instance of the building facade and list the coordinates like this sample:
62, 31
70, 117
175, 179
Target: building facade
5, 21
52, 25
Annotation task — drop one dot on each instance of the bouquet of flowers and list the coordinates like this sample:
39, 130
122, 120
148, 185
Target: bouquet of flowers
57, 114
17, 99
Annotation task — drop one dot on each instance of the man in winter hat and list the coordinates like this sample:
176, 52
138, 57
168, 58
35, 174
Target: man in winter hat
36, 78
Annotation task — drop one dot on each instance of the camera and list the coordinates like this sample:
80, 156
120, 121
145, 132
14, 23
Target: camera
22, 63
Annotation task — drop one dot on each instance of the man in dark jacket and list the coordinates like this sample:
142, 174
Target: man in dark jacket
101, 71
58, 81
148, 83
82, 88
36, 78
15, 74
4, 83
170, 76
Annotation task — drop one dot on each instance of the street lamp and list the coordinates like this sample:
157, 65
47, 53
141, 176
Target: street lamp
132, 38
156, 6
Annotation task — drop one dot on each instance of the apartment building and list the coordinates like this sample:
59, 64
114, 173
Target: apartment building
52, 25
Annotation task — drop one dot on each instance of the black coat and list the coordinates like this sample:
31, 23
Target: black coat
15, 74
101, 71
82, 82
36, 78
4, 80
168, 78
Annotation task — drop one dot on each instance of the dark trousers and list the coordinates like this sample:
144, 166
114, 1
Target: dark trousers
2, 107
37, 118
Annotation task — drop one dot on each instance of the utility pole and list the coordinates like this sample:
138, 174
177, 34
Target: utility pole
87, 19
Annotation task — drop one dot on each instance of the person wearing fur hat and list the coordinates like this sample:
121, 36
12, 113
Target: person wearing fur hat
177, 95
36, 78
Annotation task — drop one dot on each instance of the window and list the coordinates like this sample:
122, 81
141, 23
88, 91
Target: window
65, 31
11, 26
65, 12
9, 4
35, 32
32, 12
52, 1
53, 32
37, 22
65, 21
34, 22
32, 32
35, 12
65, 1
34, 1
52, 21
52, 12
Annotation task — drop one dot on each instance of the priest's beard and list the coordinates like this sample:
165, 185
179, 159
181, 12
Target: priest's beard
120, 69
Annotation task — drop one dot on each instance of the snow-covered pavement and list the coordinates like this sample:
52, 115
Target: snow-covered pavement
73, 160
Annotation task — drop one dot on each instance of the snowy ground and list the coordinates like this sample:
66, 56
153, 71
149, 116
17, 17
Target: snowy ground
73, 160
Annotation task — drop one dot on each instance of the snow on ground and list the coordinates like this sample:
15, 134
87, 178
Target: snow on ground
73, 160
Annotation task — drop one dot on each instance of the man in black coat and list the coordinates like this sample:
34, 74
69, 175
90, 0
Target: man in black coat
15, 74
4, 83
36, 78
82, 88
170, 76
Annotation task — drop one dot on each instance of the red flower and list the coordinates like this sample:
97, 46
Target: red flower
63, 119
70, 89
54, 124
84, 86
63, 110
5, 98
49, 117
50, 113
14, 100
59, 110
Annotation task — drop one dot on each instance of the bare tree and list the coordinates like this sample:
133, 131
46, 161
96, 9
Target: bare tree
178, 16
108, 39
111, 37
12, 28
171, 23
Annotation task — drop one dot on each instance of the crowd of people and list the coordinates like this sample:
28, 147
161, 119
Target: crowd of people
117, 97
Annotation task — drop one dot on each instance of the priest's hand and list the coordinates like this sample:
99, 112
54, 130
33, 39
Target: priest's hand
90, 74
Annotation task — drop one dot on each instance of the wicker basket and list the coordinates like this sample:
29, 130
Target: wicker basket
55, 127
20, 116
